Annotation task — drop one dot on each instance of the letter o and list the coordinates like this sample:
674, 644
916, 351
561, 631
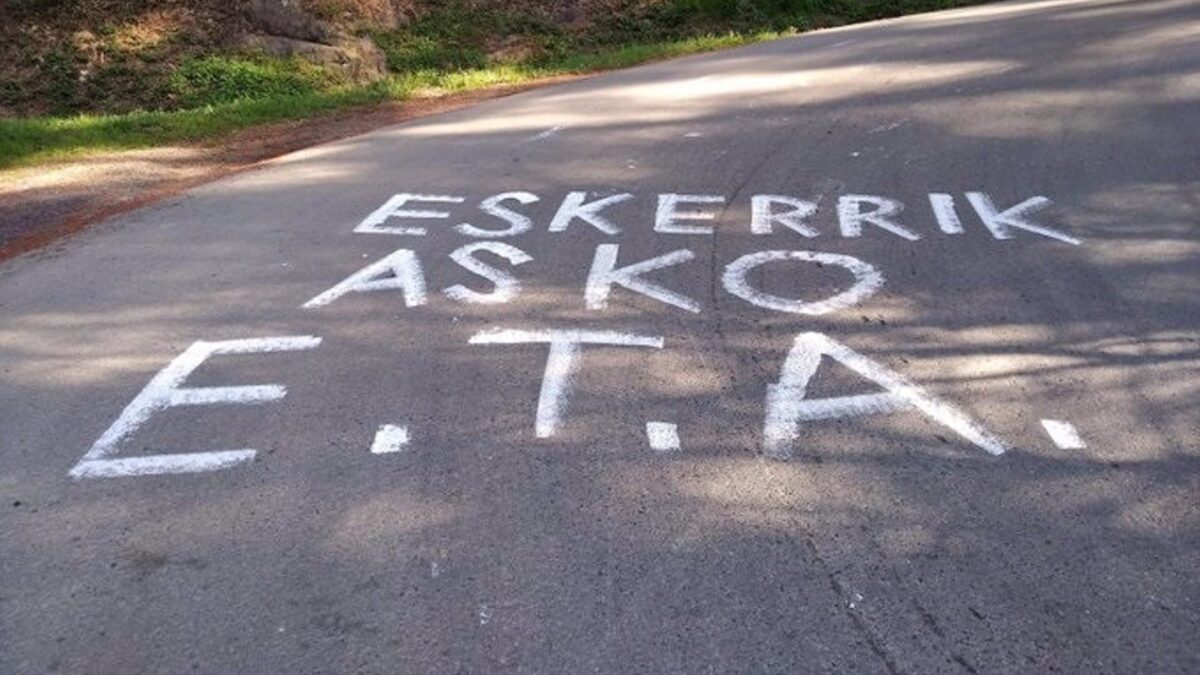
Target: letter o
867, 280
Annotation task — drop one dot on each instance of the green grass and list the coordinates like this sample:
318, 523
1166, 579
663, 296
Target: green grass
221, 78
627, 55
34, 140
30, 141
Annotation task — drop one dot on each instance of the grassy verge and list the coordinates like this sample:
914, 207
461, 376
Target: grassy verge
30, 141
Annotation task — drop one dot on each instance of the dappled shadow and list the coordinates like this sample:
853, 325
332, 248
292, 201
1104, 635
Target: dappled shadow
887, 543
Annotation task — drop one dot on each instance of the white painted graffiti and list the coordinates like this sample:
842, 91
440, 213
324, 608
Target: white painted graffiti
165, 391
855, 214
786, 404
787, 407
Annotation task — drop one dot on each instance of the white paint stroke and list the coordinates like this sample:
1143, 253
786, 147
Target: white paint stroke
394, 208
663, 436
165, 391
389, 439
605, 273
562, 364
400, 270
851, 216
1002, 223
887, 127
155, 465
507, 286
787, 404
1064, 434
668, 215
867, 280
855, 599
515, 336
547, 133
763, 215
518, 223
575, 205
945, 213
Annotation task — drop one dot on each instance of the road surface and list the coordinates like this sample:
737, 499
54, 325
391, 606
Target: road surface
872, 350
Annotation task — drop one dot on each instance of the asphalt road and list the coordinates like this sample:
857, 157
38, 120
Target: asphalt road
957, 437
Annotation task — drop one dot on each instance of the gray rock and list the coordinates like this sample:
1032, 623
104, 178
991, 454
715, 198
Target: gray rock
358, 59
288, 18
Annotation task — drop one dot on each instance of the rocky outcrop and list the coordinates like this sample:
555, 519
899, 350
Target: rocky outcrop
356, 59
291, 28
289, 19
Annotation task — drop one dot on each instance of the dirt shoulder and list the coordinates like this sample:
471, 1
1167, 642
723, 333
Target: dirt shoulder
42, 205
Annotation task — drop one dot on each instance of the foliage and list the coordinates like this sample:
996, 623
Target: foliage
455, 36
221, 78
23, 141
412, 52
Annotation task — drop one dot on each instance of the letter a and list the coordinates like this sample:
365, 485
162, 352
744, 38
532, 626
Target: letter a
787, 403
400, 270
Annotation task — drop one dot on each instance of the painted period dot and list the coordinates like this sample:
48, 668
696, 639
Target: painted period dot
389, 439
1064, 434
663, 436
